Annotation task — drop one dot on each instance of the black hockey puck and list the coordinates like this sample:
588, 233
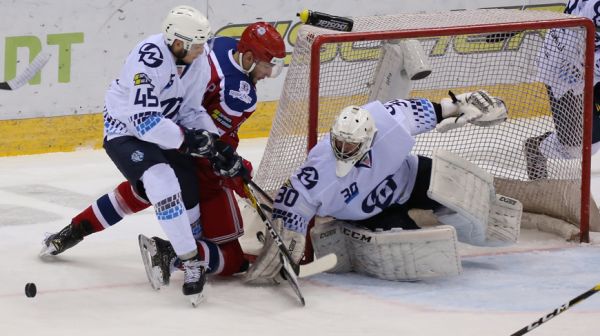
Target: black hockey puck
30, 289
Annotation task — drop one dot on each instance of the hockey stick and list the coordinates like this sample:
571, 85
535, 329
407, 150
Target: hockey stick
260, 191
289, 268
32, 69
557, 311
317, 266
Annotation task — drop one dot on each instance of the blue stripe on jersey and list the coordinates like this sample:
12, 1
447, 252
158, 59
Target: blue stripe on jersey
291, 221
144, 122
423, 114
108, 211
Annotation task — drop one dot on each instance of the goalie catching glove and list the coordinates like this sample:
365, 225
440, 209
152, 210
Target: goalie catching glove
478, 108
266, 268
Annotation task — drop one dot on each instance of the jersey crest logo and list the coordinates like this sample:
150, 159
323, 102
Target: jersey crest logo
141, 79
137, 156
309, 177
380, 197
151, 55
365, 161
243, 94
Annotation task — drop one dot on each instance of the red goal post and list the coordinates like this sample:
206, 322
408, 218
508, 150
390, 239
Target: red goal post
496, 50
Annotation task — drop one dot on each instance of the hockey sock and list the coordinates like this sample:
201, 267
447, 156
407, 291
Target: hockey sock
110, 208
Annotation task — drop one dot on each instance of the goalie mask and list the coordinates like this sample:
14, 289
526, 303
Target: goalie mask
266, 45
351, 137
186, 24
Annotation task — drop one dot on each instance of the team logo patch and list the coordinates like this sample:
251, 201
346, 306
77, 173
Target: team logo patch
141, 79
151, 55
137, 156
243, 93
365, 161
380, 197
309, 177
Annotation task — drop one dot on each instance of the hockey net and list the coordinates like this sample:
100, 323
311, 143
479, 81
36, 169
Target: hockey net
495, 50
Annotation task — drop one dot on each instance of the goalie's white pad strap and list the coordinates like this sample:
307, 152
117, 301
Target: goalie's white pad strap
466, 189
403, 255
504, 224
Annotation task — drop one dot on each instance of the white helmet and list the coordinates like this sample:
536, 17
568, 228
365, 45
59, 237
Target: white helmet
187, 24
351, 136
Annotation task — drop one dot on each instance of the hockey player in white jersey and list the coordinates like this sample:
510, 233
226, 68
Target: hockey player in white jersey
147, 145
560, 68
363, 174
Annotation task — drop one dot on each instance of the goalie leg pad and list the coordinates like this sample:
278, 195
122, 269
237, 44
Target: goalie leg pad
504, 224
403, 255
329, 238
467, 190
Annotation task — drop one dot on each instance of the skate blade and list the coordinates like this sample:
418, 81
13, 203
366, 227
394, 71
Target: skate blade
147, 250
47, 251
196, 299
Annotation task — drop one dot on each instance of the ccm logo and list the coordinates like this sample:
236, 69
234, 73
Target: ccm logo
355, 235
327, 233
508, 200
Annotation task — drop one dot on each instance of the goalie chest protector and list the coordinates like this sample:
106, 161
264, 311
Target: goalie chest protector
384, 175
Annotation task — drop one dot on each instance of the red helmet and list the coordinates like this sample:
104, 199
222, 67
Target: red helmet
265, 43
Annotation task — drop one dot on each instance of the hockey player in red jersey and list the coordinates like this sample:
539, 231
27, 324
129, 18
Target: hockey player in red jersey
230, 98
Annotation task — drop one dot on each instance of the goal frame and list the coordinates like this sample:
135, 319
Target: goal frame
336, 37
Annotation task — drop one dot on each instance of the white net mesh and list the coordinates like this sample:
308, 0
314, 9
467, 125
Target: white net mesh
518, 63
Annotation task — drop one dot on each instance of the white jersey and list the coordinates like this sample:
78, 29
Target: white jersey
147, 98
556, 66
383, 176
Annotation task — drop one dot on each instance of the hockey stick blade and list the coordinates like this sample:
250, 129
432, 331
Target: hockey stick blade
32, 69
319, 265
557, 311
290, 276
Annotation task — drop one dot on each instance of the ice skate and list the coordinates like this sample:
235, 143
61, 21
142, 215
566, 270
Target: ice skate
57, 243
194, 278
158, 257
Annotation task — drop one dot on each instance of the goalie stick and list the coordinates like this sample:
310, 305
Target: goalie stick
289, 269
322, 264
557, 311
32, 69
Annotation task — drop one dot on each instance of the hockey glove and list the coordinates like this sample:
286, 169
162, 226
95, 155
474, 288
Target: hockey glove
198, 142
478, 108
226, 162
265, 269
237, 183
